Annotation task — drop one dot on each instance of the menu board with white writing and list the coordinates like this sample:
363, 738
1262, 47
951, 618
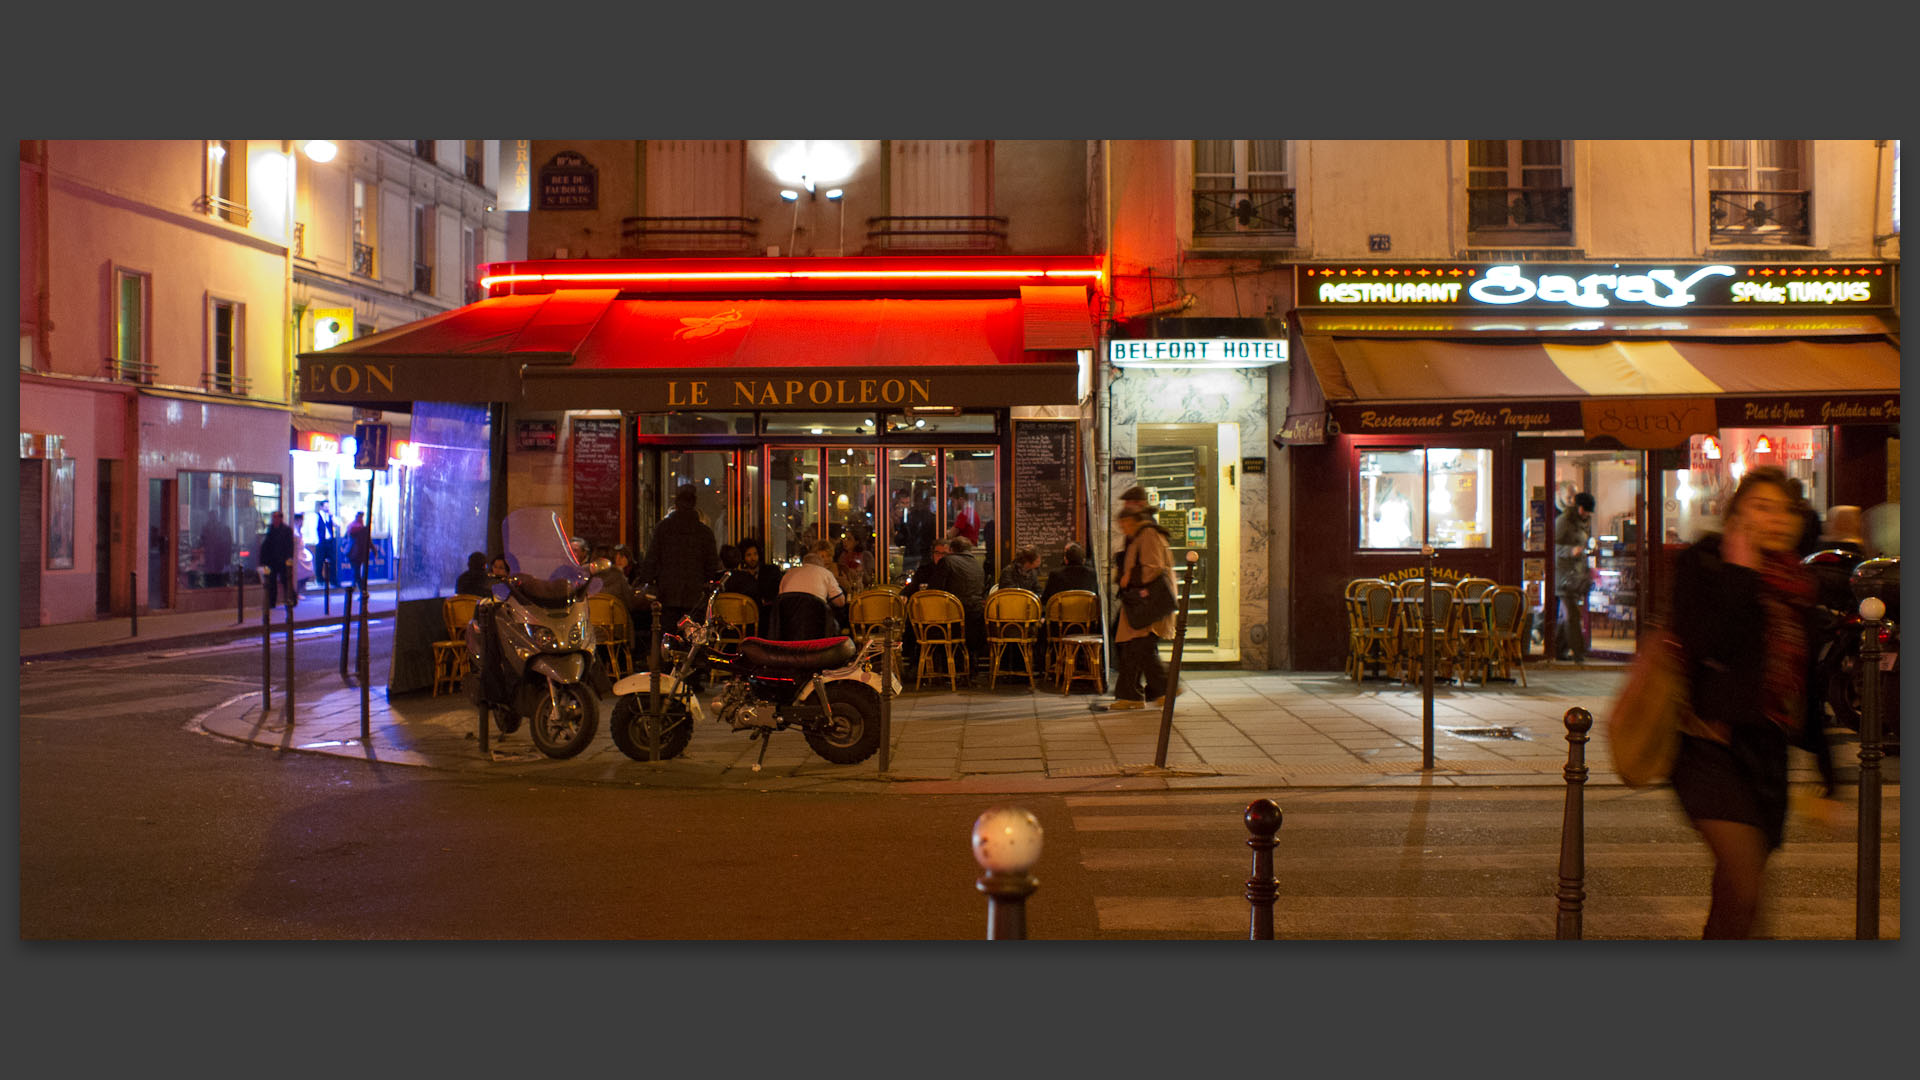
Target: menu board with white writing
1046, 468
596, 479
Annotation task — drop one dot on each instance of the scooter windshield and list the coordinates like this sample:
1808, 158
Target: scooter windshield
537, 546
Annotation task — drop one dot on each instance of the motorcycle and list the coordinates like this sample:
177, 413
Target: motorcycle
1844, 578
530, 644
821, 686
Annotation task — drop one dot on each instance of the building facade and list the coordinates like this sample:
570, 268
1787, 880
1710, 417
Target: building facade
165, 286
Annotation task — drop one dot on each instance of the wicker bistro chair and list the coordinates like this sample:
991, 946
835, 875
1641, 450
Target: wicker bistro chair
1506, 607
740, 615
1378, 631
1416, 626
1357, 644
1014, 619
450, 654
1074, 643
940, 626
1469, 627
612, 632
868, 611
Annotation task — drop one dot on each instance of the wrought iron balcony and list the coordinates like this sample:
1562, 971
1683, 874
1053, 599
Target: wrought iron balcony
225, 209
1238, 212
707, 235
422, 278
222, 382
130, 370
1759, 217
363, 259
1520, 210
937, 232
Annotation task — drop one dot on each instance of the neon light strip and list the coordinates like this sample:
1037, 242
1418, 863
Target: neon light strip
794, 275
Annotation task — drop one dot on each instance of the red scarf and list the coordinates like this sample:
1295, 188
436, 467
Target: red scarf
1786, 589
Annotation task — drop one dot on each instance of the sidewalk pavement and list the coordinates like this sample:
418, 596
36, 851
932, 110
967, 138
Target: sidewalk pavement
105, 637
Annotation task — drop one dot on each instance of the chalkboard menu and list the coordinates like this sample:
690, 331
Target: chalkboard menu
596, 480
1046, 468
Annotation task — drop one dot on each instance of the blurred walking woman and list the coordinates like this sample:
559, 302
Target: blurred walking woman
1142, 677
1740, 606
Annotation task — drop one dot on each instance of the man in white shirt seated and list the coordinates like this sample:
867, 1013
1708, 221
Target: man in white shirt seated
815, 575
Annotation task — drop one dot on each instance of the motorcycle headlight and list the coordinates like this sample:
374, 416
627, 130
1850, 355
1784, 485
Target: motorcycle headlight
542, 636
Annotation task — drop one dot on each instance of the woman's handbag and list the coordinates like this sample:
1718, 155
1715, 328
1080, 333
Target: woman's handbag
1147, 604
1643, 728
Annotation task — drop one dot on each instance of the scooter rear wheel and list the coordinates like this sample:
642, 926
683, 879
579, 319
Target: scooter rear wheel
565, 732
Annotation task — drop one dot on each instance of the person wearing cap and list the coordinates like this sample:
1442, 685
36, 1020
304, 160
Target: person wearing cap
1142, 678
1571, 578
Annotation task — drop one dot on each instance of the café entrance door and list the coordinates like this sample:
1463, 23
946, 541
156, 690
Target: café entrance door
1617, 554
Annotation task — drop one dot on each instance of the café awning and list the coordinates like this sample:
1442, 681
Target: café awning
1645, 391
599, 348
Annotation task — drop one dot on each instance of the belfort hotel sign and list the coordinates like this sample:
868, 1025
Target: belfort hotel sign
1594, 287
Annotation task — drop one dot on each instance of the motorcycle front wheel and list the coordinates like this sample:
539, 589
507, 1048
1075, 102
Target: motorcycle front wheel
564, 732
851, 734
633, 720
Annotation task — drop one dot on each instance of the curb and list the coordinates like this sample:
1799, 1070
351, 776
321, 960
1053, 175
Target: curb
236, 632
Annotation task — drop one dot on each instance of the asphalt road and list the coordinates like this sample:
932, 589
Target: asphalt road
134, 825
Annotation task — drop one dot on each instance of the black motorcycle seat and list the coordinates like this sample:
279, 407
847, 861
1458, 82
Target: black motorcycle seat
806, 656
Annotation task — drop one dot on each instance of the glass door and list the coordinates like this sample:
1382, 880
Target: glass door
913, 477
1616, 548
1189, 471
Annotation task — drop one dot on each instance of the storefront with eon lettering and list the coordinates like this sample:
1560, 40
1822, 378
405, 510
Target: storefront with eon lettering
889, 399
1462, 405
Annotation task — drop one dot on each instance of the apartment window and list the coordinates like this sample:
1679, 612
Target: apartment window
226, 194
1242, 187
1517, 191
225, 336
131, 298
364, 227
1758, 191
470, 254
422, 248
423, 149
475, 155
940, 195
694, 177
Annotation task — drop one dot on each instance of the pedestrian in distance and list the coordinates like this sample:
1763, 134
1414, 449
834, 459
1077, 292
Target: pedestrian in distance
683, 559
302, 556
275, 552
325, 542
359, 547
1571, 577
1741, 604
1147, 556
474, 580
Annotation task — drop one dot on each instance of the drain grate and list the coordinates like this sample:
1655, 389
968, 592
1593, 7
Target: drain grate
1485, 732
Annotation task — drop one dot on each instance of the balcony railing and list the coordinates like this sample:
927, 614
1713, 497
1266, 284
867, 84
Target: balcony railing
707, 235
363, 259
1759, 217
1540, 210
422, 278
130, 370
226, 209
937, 232
1237, 212
473, 171
222, 382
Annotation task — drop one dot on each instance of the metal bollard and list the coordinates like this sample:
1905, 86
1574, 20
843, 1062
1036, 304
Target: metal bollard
289, 694
480, 668
1263, 821
346, 627
366, 691
266, 662
886, 692
1428, 557
657, 702
1006, 844
133, 604
1573, 829
1173, 667
1866, 919
239, 596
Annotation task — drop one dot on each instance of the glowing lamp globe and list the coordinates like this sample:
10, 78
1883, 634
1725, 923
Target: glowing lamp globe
1006, 840
1872, 609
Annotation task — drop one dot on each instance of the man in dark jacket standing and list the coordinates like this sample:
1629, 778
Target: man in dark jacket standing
1571, 578
325, 535
682, 559
359, 548
275, 551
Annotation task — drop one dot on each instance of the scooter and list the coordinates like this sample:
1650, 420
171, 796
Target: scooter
821, 686
530, 645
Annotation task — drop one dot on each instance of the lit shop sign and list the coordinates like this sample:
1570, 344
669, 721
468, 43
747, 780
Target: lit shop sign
1596, 286
314, 442
1197, 352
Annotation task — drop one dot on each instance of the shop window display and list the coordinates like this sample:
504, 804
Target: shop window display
222, 519
1437, 495
1696, 496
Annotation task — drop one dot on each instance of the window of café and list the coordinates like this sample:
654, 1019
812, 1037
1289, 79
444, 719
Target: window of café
1696, 497
1437, 495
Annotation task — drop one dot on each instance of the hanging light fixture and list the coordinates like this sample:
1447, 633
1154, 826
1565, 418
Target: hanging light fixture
1712, 447
1764, 446
913, 460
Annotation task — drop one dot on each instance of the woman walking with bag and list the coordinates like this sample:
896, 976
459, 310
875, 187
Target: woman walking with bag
1146, 610
1740, 609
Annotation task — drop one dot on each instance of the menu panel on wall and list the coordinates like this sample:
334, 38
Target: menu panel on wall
1045, 487
595, 467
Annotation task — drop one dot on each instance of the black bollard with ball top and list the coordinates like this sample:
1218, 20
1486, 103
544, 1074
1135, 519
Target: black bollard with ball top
1006, 844
1263, 821
1573, 828
1866, 922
